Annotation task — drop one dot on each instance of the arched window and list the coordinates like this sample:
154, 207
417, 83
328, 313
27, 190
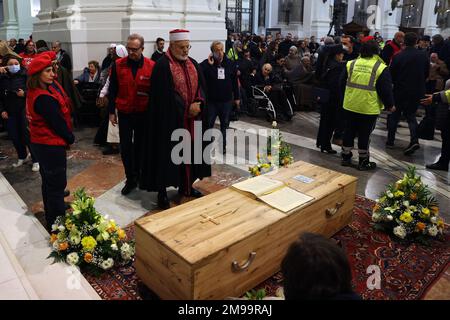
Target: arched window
412, 13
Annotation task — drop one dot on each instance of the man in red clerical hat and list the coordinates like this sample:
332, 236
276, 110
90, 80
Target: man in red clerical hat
177, 101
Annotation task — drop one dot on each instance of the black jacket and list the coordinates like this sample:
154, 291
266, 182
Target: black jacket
9, 85
157, 55
221, 90
331, 80
246, 67
65, 61
284, 47
410, 69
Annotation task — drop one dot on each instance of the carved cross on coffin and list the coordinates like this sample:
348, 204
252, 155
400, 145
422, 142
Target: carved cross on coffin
213, 218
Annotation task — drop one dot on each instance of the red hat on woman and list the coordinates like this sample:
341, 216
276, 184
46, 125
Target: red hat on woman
39, 63
51, 54
367, 39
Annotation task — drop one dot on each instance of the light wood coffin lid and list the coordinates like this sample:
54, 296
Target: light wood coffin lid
180, 229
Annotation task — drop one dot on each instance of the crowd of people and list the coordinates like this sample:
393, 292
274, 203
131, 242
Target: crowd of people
350, 79
145, 100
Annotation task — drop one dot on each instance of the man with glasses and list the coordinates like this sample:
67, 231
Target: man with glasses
129, 94
63, 57
177, 103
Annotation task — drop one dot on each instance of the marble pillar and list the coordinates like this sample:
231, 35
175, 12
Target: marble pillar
316, 18
429, 19
87, 27
10, 27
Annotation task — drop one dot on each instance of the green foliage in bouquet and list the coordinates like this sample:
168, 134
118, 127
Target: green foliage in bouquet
408, 210
84, 238
282, 150
255, 295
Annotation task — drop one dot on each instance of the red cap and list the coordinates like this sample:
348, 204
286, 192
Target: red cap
50, 54
38, 64
367, 39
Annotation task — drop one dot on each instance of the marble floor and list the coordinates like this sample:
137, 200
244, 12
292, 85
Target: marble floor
102, 176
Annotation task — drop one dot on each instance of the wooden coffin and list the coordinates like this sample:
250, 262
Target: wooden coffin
225, 244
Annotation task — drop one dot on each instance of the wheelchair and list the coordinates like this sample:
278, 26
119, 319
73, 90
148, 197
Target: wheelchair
89, 112
260, 101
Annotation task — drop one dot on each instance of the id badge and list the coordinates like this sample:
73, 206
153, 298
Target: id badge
221, 74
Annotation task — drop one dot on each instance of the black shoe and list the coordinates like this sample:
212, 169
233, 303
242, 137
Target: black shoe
196, 194
129, 186
110, 151
163, 201
66, 193
329, 151
413, 147
346, 162
366, 165
390, 145
438, 166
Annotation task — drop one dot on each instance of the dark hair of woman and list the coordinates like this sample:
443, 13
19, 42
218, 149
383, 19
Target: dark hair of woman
315, 268
369, 49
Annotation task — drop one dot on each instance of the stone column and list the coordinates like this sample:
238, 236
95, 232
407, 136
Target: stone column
10, 27
316, 18
25, 20
390, 21
429, 19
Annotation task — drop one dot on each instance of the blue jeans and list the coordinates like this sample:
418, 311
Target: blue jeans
223, 111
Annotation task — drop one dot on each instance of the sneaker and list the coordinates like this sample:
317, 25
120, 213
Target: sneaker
35, 167
413, 147
366, 165
19, 163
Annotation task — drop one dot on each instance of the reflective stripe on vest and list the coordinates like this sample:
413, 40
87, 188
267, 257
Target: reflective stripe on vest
373, 78
361, 94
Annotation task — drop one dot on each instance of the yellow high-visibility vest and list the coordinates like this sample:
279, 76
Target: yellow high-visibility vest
233, 55
361, 94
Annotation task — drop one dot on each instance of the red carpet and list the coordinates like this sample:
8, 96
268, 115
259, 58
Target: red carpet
407, 270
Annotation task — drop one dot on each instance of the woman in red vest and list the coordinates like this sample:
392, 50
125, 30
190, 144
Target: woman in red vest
48, 113
29, 54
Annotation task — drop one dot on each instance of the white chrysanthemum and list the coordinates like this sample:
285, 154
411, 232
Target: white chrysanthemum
107, 264
114, 247
433, 231
126, 251
72, 258
390, 194
434, 220
376, 217
390, 218
400, 232
406, 203
54, 227
274, 124
61, 228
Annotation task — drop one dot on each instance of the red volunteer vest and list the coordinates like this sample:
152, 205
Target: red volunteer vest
40, 132
396, 48
133, 95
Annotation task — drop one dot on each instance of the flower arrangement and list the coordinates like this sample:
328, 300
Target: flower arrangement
408, 210
282, 150
83, 237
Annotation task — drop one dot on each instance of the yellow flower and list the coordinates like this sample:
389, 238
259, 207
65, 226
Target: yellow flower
406, 217
426, 211
399, 194
53, 238
89, 243
88, 257
435, 210
122, 235
441, 224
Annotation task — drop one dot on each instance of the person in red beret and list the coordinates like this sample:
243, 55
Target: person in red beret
48, 111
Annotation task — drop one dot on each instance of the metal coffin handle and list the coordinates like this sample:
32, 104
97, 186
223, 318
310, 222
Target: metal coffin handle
236, 268
332, 212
